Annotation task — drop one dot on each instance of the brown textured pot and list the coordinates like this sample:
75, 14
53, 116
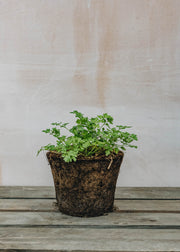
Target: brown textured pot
85, 187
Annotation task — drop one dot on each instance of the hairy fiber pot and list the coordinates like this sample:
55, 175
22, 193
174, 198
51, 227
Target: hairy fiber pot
85, 187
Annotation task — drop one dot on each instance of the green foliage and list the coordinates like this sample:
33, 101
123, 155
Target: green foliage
89, 137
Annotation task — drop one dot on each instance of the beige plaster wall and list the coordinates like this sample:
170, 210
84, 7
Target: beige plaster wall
118, 56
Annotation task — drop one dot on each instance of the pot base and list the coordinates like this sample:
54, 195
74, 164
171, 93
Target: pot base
87, 204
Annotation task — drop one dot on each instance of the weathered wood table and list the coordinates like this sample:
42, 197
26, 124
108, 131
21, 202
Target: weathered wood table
145, 219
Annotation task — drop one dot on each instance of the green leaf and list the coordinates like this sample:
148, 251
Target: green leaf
56, 123
107, 152
120, 127
46, 131
77, 114
89, 136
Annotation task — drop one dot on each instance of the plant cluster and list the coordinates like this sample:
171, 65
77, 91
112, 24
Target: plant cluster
89, 137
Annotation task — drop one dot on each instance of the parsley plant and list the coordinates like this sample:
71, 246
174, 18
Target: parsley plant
89, 137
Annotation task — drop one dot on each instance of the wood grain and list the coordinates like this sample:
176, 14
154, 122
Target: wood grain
145, 219
27, 192
107, 221
49, 205
121, 192
82, 239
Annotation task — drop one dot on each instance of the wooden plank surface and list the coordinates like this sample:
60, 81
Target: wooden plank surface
39, 205
48, 205
45, 192
89, 239
139, 220
121, 192
145, 219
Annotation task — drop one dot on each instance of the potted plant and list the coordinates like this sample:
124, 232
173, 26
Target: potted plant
85, 163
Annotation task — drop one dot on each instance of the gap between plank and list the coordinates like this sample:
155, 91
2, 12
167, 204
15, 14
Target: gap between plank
116, 211
94, 226
49, 198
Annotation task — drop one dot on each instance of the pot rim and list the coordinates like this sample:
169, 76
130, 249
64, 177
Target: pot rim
91, 158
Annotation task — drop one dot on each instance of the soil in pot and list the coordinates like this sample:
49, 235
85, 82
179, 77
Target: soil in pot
85, 187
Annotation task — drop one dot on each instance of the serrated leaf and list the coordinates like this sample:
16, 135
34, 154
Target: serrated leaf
89, 136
